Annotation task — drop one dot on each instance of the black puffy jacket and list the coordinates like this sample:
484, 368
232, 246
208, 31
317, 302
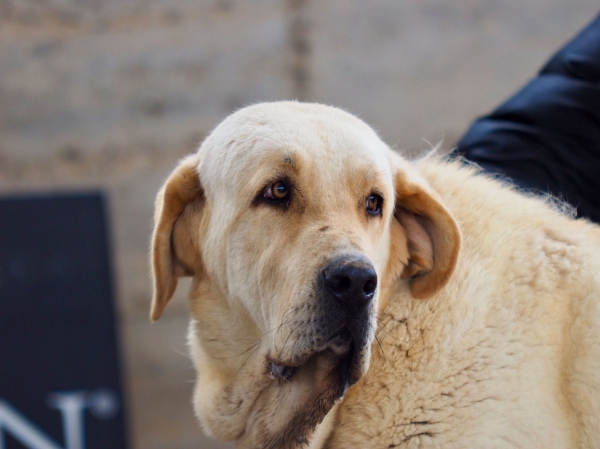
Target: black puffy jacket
547, 136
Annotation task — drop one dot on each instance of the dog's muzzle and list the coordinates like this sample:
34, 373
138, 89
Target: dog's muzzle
347, 286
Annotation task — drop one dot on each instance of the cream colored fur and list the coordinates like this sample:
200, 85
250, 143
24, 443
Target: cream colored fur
487, 314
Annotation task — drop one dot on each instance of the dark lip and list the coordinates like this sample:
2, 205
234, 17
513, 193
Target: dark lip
345, 368
283, 372
340, 344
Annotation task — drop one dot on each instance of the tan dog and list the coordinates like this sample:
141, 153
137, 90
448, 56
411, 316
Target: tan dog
307, 238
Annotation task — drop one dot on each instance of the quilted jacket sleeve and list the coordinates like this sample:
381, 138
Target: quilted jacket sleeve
547, 136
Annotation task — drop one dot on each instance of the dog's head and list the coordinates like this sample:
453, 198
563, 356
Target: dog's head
291, 218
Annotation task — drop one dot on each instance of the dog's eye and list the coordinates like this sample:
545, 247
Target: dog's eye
374, 203
276, 192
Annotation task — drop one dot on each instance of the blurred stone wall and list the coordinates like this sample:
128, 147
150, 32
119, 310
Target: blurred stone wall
109, 94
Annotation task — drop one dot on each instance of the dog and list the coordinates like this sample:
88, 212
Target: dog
345, 297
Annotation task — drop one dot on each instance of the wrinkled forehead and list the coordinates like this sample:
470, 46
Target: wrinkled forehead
252, 145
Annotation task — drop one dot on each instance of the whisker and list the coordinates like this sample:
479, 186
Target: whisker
381, 348
248, 358
288, 312
381, 328
286, 340
256, 342
240, 354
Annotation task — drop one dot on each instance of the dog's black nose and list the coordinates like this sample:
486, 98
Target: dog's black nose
351, 281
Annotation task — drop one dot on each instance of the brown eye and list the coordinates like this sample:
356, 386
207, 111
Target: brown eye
374, 203
276, 192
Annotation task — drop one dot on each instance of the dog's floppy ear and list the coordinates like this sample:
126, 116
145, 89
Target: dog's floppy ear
433, 238
174, 244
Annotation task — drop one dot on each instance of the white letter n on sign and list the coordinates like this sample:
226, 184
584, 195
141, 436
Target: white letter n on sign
71, 406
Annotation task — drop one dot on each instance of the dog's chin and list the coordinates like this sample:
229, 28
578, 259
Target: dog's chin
340, 351
298, 398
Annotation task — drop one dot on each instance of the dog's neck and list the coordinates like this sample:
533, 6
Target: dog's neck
227, 384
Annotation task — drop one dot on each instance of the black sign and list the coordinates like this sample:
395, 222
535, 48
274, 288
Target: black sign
59, 371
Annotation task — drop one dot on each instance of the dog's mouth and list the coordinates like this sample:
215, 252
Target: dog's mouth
309, 385
341, 345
